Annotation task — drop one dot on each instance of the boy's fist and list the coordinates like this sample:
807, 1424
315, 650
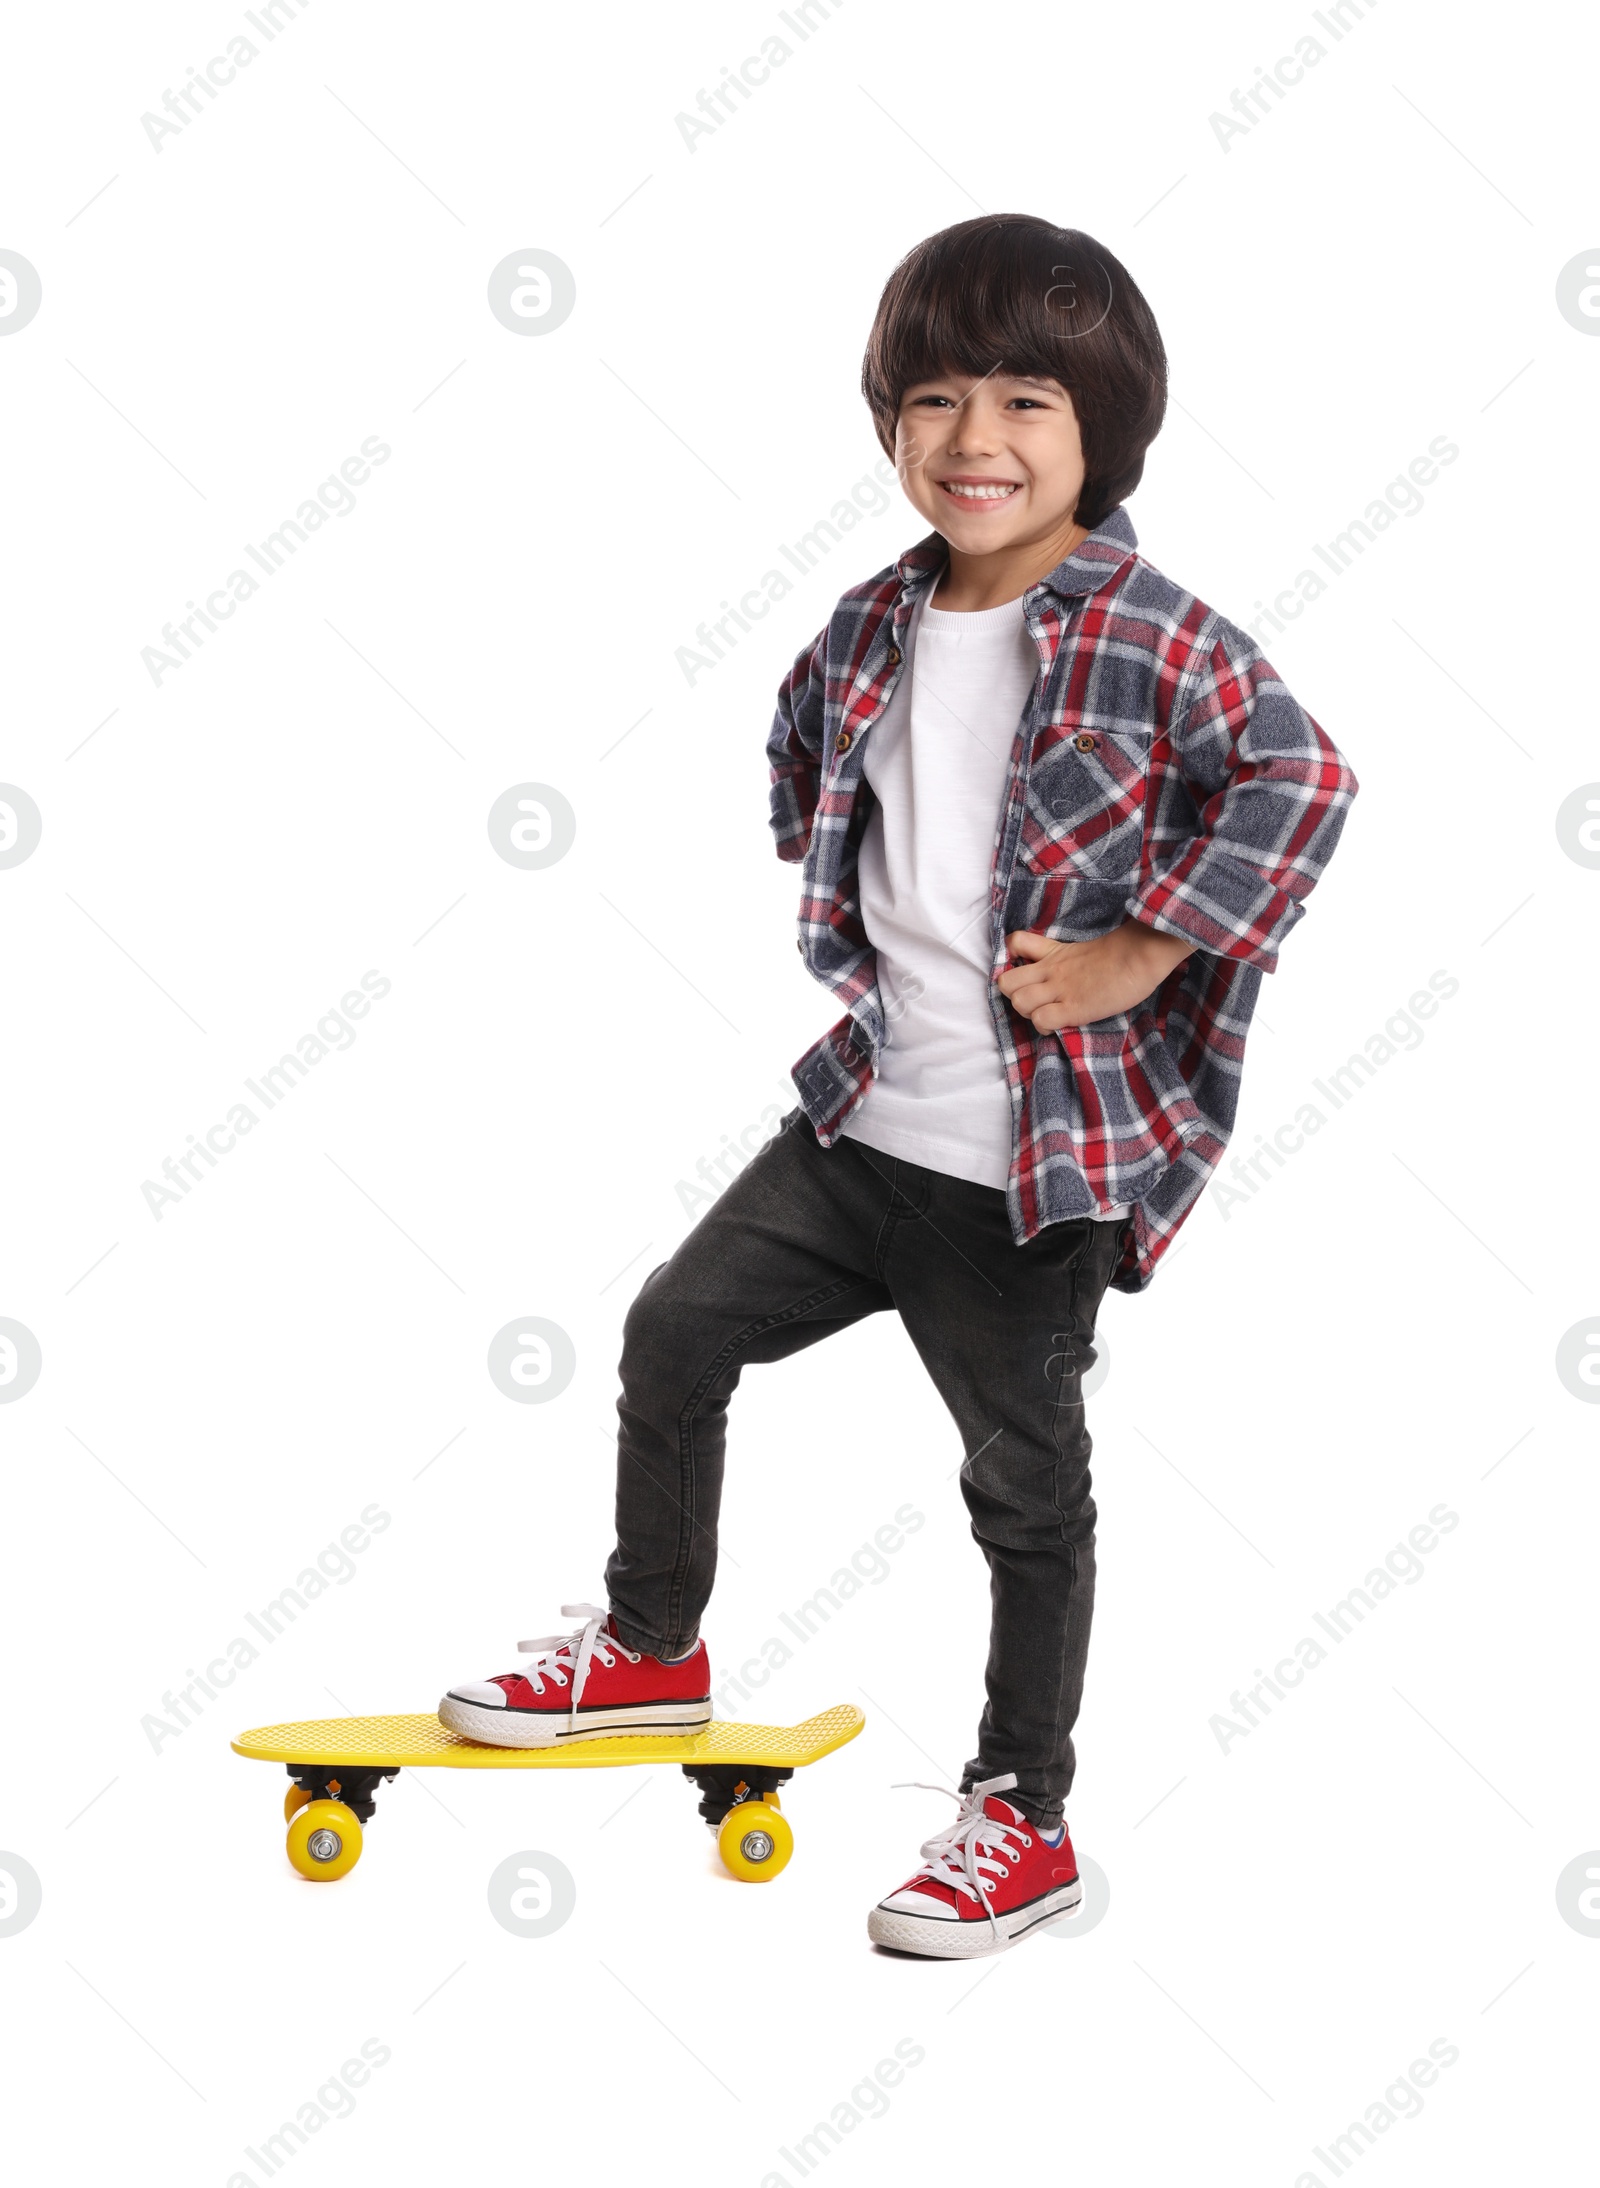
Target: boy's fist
1074, 983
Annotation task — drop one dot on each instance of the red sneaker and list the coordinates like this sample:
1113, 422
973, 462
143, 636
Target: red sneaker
984, 1883
586, 1686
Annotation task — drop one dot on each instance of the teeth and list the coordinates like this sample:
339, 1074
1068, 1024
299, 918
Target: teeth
979, 493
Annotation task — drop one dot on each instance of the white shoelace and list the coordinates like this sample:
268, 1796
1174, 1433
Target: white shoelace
975, 1843
564, 1658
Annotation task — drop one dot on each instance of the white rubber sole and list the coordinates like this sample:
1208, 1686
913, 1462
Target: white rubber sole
936, 1940
526, 1728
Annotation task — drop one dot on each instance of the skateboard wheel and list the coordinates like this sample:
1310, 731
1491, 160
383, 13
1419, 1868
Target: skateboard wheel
755, 1841
324, 1841
294, 1800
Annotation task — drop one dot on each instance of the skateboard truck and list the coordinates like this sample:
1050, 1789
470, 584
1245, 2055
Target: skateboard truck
356, 1788
723, 1786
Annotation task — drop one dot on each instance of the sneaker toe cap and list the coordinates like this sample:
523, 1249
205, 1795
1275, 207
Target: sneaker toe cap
482, 1693
919, 1903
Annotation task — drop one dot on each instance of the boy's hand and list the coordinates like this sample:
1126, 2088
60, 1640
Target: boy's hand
1073, 983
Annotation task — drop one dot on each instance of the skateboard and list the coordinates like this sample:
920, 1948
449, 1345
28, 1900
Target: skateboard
338, 1763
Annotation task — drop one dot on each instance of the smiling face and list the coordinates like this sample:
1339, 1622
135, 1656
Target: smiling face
995, 465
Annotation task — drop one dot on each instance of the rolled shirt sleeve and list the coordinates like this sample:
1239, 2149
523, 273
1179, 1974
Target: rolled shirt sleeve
1272, 791
794, 751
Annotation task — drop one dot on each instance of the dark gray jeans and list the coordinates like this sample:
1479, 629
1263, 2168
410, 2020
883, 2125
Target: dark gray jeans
805, 1241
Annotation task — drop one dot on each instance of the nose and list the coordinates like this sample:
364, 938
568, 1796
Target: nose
976, 431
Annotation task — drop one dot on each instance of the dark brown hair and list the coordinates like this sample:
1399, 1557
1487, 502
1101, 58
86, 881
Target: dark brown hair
1010, 293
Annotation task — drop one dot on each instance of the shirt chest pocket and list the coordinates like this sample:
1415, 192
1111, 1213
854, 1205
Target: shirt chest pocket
1083, 816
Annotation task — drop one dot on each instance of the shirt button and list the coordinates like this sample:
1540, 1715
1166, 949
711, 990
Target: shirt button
842, 742
1083, 742
894, 657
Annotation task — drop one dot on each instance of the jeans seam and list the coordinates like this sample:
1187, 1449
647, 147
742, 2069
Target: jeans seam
1055, 1411
881, 1244
686, 1420
1055, 1489
886, 1228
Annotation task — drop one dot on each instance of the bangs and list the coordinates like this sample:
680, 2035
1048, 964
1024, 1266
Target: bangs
995, 307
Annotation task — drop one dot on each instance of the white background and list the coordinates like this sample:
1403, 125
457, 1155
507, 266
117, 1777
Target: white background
1371, 1335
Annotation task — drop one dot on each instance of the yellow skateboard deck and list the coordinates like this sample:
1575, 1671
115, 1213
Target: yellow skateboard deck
337, 1764
385, 1743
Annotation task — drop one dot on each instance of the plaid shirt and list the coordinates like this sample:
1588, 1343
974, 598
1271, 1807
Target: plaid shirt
1164, 774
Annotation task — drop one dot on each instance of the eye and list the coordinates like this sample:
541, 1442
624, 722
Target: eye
1024, 402
918, 400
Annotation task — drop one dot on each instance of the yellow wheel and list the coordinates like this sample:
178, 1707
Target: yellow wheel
755, 1841
294, 1799
324, 1841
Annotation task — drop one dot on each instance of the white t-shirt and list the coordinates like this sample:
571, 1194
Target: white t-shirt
936, 760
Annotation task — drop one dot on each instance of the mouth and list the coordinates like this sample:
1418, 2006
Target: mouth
980, 493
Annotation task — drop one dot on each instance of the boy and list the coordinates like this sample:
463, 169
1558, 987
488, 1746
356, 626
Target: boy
1055, 818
